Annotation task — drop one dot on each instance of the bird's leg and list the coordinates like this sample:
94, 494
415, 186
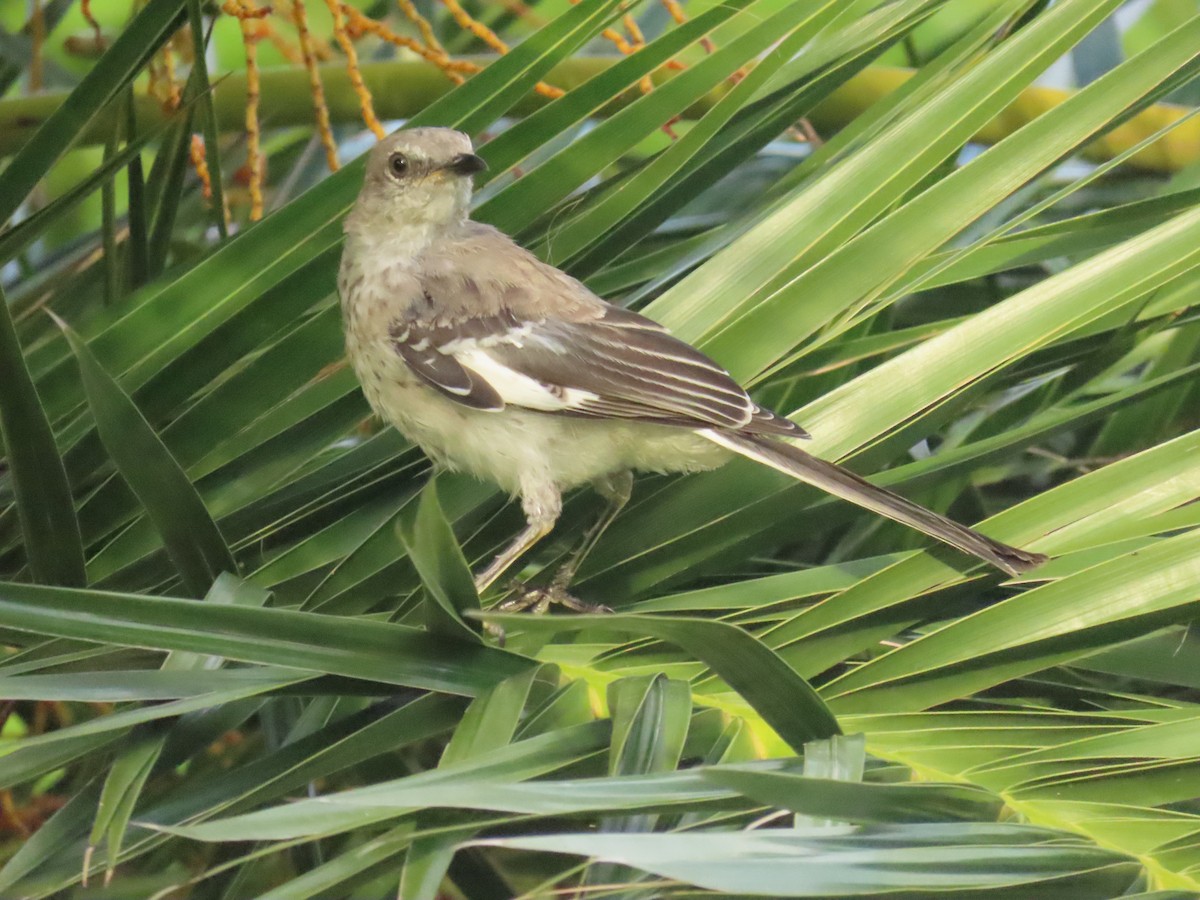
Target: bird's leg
533, 532
541, 502
616, 489
530, 535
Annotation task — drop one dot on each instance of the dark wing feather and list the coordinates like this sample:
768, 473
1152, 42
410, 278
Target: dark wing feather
612, 364
632, 374
641, 371
442, 371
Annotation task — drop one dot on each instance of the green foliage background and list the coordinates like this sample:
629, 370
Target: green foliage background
212, 563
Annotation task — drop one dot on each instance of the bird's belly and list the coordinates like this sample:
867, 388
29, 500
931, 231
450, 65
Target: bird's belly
515, 446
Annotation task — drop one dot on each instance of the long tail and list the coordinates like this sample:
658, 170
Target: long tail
793, 461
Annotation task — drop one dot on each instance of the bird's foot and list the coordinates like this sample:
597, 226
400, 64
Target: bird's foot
538, 600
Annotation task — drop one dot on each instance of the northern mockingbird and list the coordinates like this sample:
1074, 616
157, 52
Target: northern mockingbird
502, 366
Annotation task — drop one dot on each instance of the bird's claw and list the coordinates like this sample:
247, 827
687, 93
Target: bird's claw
537, 601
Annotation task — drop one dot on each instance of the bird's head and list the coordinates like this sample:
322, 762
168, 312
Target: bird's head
419, 176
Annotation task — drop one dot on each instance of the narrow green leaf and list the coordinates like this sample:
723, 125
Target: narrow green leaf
122, 787
515, 73
137, 246
791, 34
650, 717
340, 745
449, 586
378, 651
29, 761
117, 686
116, 723
907, 235
427, 862
703, 304
53, 546
65, 828
141, 751
785, 700
29, 229
567, 706
188, 531
228, 588
1171, 656
1043, 627
511, 146
885, 111
650, 720
491, 720
113, 282
165, 187
505, 781
509, 765
208, 115
344, 872
524, 200
847, 801
771, 588
823, 863
1077, 236
840, 758
117, 68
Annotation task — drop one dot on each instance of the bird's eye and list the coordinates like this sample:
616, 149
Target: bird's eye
398, 164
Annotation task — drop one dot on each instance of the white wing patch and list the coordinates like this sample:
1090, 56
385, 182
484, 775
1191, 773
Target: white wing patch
514, 388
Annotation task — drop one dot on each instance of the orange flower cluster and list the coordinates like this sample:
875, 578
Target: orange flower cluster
308, 50
85, 7
464, 21
250, 18
364, 96
677, 13
199, 161
349, 25
360, 24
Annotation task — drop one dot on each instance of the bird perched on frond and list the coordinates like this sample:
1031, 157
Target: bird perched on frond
502, 366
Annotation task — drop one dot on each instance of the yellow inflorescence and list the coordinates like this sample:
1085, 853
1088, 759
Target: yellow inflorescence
289, 51
199, 160
350, 25
37, 23
309, 53
338, 10
423, 27
249, 16
173, 95
85, 7
467, 23
360, 24
677, 13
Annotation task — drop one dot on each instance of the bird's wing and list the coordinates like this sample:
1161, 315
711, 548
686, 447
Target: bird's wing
601, 362
423, 347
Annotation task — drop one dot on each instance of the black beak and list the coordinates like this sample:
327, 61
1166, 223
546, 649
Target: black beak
467, 164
